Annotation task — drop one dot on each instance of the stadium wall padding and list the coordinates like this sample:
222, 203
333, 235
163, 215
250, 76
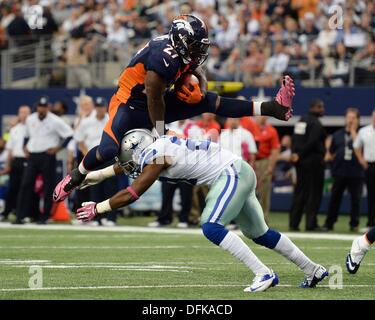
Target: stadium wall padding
336, 99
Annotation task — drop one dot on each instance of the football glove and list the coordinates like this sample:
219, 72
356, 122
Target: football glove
189, 93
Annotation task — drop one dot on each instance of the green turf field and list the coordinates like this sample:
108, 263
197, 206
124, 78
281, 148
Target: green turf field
139, 265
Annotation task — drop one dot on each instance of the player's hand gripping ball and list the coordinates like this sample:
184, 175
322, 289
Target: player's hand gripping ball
187, 89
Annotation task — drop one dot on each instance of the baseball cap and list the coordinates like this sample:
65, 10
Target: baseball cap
43, 101
100, 102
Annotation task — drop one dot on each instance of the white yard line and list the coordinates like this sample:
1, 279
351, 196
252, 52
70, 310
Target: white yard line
55, 227
174, 286
97, 247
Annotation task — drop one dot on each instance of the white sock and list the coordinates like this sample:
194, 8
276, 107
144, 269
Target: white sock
364, 243
82, 169
241, 251
290, 251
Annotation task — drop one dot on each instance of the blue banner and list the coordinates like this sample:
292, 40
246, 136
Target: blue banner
336, 99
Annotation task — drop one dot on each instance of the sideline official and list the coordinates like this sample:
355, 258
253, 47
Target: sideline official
46, 134
346, 171
364, 147
16, 160
308, 150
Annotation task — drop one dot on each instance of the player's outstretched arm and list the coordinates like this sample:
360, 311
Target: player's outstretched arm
149, 175
97, 176
155, 87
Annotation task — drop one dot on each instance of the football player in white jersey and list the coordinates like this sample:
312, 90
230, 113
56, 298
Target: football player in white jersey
231, 197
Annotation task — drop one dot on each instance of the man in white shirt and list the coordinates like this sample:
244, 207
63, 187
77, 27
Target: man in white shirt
16, 161
238, 140
364, 148
89, 131
87, 136
44, 133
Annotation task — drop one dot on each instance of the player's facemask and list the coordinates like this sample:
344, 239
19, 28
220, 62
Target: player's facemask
198, 51
130, 168
189, 37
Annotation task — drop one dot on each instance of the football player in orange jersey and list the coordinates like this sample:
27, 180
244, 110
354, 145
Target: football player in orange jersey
144, 98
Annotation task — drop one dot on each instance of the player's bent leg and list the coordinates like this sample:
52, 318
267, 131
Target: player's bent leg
98, 155
251, 223
180, 110
360, 246
223, 202
118, 123
229, 241
279, 108
314, 273
213, 103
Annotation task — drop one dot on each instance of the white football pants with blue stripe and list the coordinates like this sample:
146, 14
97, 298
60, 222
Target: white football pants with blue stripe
232, 197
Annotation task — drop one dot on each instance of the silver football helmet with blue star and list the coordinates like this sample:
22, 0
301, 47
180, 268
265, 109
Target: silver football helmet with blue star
132, 145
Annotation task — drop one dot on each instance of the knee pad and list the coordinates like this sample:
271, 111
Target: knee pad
107, 151
269, 239
214, 232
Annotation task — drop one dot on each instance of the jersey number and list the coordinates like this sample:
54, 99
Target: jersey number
169, 50
193, 144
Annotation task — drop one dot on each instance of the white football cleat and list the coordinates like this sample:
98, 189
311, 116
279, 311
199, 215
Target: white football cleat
315, 277
262, 282
356, 255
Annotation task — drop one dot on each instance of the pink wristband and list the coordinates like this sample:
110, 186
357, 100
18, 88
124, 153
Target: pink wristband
132, 192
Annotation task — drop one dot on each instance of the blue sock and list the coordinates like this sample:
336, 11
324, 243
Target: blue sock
214, 232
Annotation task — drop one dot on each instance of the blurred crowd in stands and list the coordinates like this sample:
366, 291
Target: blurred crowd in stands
252, 41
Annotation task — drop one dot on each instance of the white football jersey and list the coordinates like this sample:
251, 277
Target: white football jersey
193, 161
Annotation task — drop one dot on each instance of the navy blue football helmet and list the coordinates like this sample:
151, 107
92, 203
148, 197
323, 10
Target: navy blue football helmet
189, 37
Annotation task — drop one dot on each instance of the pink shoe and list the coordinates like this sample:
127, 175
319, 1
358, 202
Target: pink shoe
286, 92
59, 194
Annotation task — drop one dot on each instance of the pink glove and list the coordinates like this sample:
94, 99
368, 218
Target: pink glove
87, 212
286, 92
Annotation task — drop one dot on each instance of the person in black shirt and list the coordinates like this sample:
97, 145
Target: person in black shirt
308, 150
346, 171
